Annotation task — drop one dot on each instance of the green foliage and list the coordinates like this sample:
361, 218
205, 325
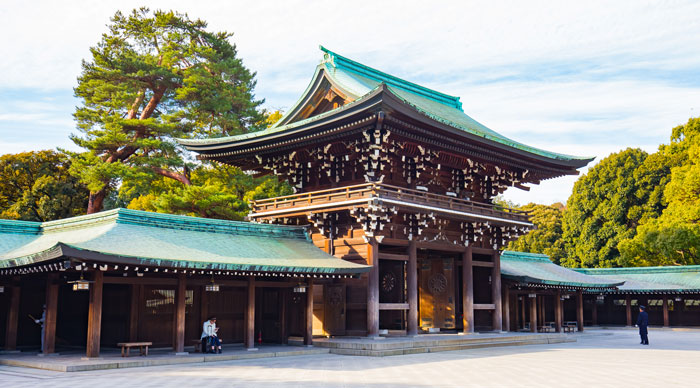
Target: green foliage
36, 186
605, 207
218, 191
673, 238
547, 236
152, 78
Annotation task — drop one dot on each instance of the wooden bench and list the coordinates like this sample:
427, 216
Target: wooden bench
569, 327
143, 347
197, 345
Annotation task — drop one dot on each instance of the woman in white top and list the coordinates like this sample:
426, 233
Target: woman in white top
209, 332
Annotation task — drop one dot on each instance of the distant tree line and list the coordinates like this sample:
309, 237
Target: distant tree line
631, 209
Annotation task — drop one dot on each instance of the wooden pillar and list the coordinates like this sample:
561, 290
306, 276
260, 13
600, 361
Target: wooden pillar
136, 292
467, 291
309, 314
594, 317
628, 306
412, 284
94, 328
557, 311
51, 314
373, 289
496, 292
283, 314
506, 308
179, 324
249, 324
12, 319
533, 313
522, 309
540, 309
666, 311
516, 316
579, 310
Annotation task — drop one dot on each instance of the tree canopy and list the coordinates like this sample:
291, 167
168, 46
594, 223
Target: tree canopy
673, 238
546, 237
217, 191
36, 186
154, 77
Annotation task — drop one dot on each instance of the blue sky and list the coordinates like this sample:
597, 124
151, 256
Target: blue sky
584, 78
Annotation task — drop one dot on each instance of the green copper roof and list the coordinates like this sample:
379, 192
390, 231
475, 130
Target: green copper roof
651, 279
358, 81
156, 239
533, 268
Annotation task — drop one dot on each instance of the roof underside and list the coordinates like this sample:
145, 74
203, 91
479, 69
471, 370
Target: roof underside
162, 240
651, 279
357, 82
536, 269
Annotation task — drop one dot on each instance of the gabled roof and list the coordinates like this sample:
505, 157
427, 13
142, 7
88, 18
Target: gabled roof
164, 240
536, 269
651, 279
358, 82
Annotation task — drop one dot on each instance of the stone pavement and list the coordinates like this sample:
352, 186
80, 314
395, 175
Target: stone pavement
600, 358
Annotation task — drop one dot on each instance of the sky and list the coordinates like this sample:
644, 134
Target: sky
582, 78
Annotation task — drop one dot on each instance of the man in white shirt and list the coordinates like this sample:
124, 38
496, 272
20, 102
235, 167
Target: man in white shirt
209, 333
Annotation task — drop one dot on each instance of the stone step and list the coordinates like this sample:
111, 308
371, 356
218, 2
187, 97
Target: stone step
445, 348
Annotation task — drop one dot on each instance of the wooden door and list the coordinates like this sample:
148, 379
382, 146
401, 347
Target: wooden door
269, 314
436, 293
334, 309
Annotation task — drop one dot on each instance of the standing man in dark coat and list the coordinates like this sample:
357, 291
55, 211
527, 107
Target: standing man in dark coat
642, 323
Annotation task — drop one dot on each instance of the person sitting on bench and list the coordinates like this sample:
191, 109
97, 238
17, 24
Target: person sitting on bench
210, 337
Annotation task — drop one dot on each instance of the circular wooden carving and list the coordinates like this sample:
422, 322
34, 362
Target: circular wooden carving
437, 284
388, 282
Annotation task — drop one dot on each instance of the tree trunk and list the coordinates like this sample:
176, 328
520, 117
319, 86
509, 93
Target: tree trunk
96, 201
172, 175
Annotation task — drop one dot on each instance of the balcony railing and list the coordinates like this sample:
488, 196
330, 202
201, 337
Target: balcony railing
391, 194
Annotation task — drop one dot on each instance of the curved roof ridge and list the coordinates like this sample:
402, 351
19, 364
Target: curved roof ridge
338, 61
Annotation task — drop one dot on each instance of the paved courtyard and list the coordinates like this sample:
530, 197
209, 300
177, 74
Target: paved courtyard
601, 358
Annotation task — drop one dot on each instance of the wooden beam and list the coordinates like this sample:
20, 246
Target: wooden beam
136, 292
467, 291
579, 310
395, 242
393, 306
12, 318
484, 306
478, 263
179, 324
51, 314
392, 256
496, 292
412, 284
665, 306
446, 247
309, 314
533, 313
373, 289
94, 329
557, 311
249, 324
